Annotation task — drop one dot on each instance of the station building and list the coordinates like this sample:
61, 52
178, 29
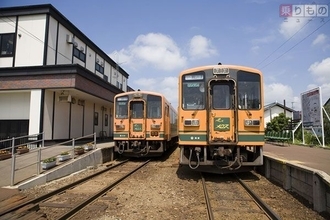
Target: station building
274, 109
53, 78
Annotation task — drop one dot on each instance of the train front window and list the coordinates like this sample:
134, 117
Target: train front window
193, 91
248, 90
154, 105
221, 98
137, 108
121, 107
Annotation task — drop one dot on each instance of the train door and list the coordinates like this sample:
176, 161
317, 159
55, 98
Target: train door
222, 114
137, 124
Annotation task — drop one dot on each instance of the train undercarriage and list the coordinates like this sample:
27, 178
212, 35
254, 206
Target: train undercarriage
221, 159
142, 148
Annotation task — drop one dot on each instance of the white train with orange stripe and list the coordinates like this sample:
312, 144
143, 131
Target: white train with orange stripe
145, 124
221, 118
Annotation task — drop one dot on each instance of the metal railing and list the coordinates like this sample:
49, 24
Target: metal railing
36, 149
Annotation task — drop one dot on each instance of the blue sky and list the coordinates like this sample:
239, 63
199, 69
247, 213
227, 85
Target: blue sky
154, 40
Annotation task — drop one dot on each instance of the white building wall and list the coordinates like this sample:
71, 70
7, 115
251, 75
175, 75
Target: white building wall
76, 120
90, 59
88, 117
35, 104
113, 76
7, 25
30, 44
107, 71
64, 50
6, 62
52, 36
48, 114
15, 105
61, 119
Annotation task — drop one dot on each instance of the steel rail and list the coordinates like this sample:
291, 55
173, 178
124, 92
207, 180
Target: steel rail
81, 205
57, 191
268, 211
207, 200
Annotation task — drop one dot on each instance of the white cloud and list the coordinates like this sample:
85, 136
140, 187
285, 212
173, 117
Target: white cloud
320, 39
291, 26
154, 49
167, 86
201, 47
277, 92
321, 71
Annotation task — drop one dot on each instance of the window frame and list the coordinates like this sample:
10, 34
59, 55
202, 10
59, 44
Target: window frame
79, 54
12, 35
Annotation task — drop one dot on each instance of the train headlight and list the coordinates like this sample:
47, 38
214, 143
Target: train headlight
154, 133
120, 126
252, 122
191, 122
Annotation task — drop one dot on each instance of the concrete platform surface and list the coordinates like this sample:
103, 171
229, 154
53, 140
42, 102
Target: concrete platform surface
313, 157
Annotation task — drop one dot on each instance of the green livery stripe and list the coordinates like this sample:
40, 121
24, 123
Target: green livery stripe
120, 135
251, 138
192, 137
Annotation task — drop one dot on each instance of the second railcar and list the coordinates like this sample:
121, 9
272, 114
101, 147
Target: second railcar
221, 118
145, 124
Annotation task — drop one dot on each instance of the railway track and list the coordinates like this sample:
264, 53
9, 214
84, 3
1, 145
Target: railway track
65, 202
232, 197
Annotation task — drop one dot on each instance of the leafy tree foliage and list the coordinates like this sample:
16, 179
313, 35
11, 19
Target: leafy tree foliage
278, 123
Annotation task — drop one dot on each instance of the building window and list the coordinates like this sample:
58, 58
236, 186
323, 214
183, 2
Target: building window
7, 44
99, 68
79, 54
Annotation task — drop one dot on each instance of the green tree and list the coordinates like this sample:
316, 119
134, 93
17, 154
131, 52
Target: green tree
278, 123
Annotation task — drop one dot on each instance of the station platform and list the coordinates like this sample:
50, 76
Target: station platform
26, 164
315, 157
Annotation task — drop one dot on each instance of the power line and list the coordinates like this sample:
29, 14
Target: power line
28, 33
295, 44
284, 43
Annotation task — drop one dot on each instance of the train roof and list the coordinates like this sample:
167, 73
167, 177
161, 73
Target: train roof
140, 91
198, 68
145, 92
